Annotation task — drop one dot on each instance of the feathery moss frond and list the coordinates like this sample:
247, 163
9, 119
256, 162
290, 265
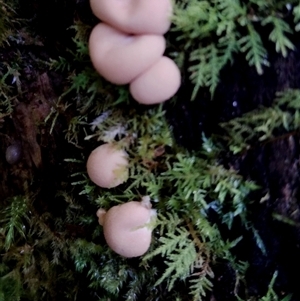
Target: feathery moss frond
271, 294
13, 219
296, 12
206, 72
210, 32
199, 286
262, 123
252, 45
180, 253
278, 34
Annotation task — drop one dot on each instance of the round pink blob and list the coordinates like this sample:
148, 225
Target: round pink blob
120, 57
158, 83
125, 229
135, 16
107, 166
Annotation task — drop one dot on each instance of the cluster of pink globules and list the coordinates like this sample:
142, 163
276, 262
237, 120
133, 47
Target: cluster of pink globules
128, 47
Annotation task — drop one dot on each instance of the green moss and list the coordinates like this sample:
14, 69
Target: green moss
49, 249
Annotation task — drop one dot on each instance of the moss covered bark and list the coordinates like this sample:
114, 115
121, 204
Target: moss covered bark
219, 160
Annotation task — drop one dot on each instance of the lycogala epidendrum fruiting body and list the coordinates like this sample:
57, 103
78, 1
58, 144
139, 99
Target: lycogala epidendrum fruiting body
127, 227
107, 166
128, 47
135, 16
120, 57
157, 84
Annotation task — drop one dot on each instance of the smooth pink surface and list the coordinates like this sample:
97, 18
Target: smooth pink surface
107, 166
120, 57
135, 16
158, 83
125, 229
